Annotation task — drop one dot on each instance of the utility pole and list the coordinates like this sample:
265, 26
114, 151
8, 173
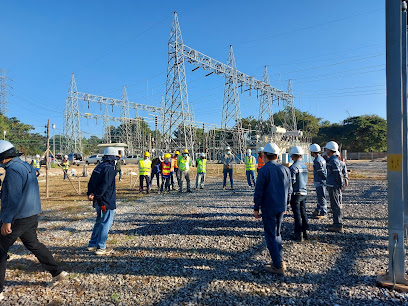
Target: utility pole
53, 142
396, 156
47, 156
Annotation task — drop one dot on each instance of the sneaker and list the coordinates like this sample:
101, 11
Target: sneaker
283, 265
92, 249
103, 251
223, 188
336, 228
59, 277
273, 270
321, 216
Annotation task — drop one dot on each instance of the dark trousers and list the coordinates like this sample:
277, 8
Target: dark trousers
26, 230
298, 204
120, 174
272, 227
65, 174
336, 204
38, 172
229, 172
165, 184
157, 179
141, 179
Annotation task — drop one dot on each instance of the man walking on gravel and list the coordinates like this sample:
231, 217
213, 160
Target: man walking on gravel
20, 209
102, 191
272, 194
184, 164
227, 161
335, 185
319, 181
299, 174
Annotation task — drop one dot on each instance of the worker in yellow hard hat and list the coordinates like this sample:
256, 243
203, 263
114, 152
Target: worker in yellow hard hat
184, 164
165, 169
145, 165
175, 169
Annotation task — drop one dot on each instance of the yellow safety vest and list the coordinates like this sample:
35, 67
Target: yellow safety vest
249, 163
144, 166
65, 165
184, 163
201, 165
36, 164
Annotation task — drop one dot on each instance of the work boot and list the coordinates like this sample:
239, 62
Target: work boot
283, 265
189, 190
298, 237
273, 270
104, 251
223, 188
336, 228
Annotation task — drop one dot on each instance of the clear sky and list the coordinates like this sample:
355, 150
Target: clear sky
334, 51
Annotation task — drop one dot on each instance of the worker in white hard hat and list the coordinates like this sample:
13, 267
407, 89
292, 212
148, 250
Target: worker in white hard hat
228, 160
201, 171
250, 165
20, 211
35, 162
335, 185
259, 159
102, 192
343, 169
65, 166
272, 194
299, 174
319, 181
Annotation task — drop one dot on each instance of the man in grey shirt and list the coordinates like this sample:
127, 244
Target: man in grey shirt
227, 161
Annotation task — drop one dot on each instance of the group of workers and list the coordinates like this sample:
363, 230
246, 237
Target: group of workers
171, 168
278, 186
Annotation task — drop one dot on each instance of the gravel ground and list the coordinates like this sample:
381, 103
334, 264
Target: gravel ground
206, 248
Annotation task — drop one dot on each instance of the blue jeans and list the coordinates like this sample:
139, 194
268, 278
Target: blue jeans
250, 174
101, 228
272, 227
321, 200
298, 204
229, 172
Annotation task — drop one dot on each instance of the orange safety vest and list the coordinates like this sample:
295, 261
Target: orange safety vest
261, 163
166, 169
175, 163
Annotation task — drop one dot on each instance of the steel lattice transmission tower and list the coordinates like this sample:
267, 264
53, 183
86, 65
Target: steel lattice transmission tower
265, 118
231, 111
3, 92
125, 133
72, 126
107, 137
289, 121
177, 114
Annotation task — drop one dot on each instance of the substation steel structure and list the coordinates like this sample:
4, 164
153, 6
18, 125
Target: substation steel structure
3, 91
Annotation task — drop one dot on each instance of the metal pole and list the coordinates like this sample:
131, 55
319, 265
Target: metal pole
404, 108
47, 156
395, 143
53, 142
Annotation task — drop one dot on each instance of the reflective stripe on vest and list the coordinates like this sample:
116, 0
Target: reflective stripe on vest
166, 169
36, 164
65, 165
261, 163
201, 165
249, 163
184, 163
144, 166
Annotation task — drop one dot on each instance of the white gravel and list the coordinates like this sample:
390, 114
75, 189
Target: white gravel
206, 248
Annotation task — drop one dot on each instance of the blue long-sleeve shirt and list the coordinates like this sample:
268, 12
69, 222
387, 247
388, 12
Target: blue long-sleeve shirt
299, 174
102, 184
319, 170
20, 195
334, 176
273, 189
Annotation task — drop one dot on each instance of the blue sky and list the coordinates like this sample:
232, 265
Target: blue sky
334, 51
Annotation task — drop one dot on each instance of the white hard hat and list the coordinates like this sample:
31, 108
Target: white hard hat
261, 149
111, 151
337, 153
202, 154
315, 148
7, 150
65, 156
332, 145
37, 156
227, 148
271, 148
249, 151
296, 150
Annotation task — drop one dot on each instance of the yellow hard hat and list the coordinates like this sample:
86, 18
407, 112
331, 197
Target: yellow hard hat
177, 153
167, 155
147, 154
185, 151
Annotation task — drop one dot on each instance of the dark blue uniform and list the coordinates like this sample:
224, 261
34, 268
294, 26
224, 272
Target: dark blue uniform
334, 184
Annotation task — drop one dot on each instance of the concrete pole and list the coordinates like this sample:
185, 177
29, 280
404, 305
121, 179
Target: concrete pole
395, 142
